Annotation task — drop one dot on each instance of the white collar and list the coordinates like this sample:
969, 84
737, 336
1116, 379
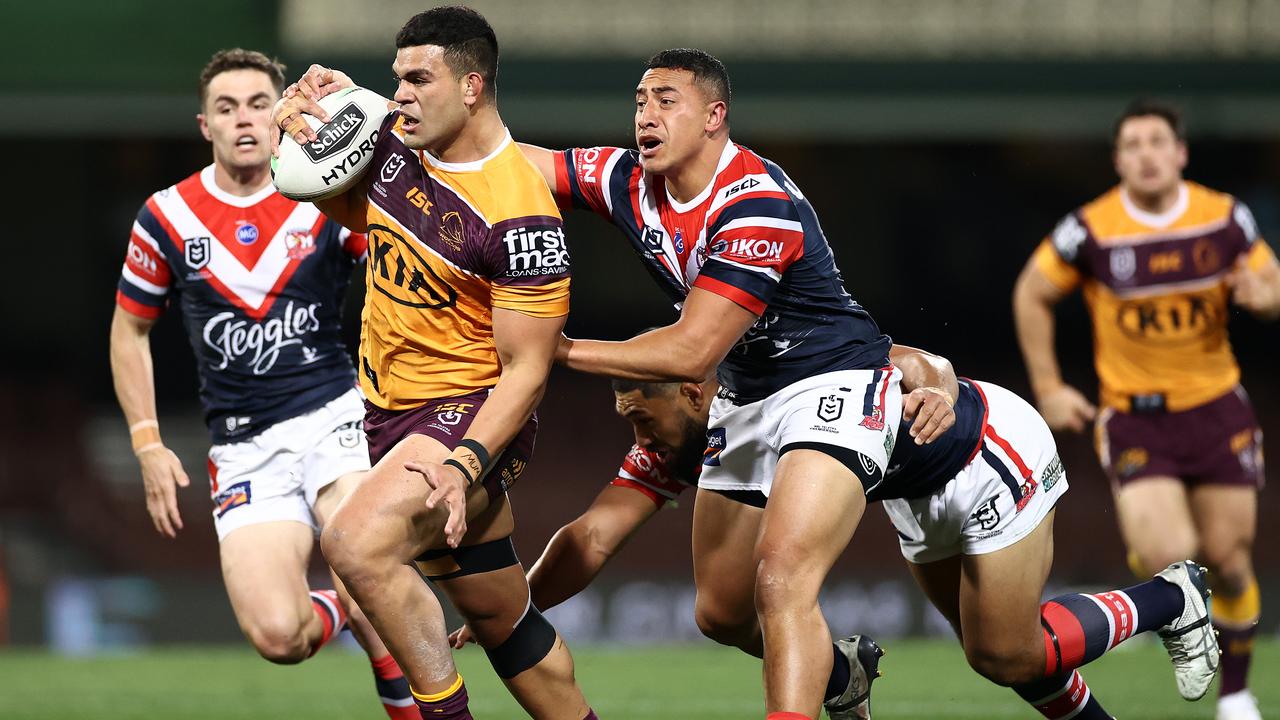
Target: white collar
472, 166
726, 156
1157, 220
211, 186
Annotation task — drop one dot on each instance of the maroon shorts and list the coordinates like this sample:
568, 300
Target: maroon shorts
1218, 443
447, 420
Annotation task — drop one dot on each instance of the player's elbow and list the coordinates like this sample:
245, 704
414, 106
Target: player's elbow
596, 544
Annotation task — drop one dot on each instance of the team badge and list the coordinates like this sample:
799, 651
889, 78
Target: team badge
830, 408
679, 241
349, 433
299, 244
246, 233
451, 230
196, 252
987, 516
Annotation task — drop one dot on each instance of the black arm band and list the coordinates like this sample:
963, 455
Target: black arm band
461, 468
481, 453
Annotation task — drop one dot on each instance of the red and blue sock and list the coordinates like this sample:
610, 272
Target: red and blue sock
1061, 697
1079, 628
332, 617
393, 689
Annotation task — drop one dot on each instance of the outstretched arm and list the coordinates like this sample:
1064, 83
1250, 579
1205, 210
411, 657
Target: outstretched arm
1034, 297
687, 351
931, 390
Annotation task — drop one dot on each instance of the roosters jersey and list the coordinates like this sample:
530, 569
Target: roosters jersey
448, 243
260, 281
1154, 288
751, 237
645, 471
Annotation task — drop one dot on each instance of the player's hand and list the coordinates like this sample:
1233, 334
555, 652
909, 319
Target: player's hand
319, 81
1066, 409
448, 488
931, 412
162, 475
303, 98
460, 637
1253, 290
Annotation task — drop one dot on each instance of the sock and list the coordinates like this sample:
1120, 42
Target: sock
1079, 628
332, 617
1236, 619
393, 689
839, 678
1063, 696
787, 716
448, 705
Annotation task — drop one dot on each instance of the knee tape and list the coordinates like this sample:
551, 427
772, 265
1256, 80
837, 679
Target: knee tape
446, 564
530, 641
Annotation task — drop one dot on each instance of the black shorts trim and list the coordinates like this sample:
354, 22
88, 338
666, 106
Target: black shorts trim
864, 467
754, 498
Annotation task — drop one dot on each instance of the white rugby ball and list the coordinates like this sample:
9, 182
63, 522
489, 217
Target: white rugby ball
342, 150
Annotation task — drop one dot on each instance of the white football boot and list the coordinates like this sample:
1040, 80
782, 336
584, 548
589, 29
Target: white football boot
1190, 638
1238, 706
864, 663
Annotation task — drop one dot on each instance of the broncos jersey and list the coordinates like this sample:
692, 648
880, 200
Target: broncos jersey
260, 281
1154, 288
448, 243
751, 237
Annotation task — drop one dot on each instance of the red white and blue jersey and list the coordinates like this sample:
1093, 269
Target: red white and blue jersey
750, 236
260, 281
645, 471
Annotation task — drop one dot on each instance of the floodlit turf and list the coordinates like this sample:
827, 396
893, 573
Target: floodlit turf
923, 681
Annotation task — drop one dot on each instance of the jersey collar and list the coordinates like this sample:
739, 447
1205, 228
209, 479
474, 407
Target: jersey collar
726, 156
211, 187
472, 166
1157, 220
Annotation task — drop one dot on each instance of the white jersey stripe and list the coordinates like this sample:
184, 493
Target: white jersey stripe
768, 272
145, 237
759, 221
148, 287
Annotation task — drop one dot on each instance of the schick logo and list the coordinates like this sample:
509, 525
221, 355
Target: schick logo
335, 135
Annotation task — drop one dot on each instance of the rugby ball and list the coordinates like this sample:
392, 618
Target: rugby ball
342, 150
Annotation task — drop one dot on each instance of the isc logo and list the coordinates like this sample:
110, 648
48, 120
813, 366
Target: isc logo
418, 199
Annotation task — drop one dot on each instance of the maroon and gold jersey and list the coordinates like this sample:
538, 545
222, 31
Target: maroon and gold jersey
644, 470
448, 243
1155, 289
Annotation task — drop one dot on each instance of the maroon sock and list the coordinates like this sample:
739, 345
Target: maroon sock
1237, 651
452, 707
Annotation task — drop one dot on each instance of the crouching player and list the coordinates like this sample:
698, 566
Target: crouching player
977, 530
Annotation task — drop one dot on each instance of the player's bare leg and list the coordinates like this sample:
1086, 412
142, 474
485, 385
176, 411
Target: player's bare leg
393, 688
1226, 516
523, 648
264, 567
369, 542
814, 507
373, 536
724, 571
1156, 523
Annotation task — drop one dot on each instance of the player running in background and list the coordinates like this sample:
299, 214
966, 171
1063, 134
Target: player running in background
1160, 260
976, 527
260, 280
468, 289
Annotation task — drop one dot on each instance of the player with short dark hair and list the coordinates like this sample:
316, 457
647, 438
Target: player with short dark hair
1160, 260
978, 540
260, 280
468, 289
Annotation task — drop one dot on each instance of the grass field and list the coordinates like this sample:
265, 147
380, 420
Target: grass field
924, 680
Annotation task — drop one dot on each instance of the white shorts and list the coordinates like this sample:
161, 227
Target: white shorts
277, 474
997, 499
856, 410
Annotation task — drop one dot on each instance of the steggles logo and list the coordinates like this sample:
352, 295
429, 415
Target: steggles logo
260, 343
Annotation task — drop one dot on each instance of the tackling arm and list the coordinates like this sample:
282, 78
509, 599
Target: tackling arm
931, 390
687, 351
579, 550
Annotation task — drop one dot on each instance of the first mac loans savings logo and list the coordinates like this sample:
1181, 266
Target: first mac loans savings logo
539, 250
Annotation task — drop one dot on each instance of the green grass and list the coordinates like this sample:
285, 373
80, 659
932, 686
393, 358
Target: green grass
924, 680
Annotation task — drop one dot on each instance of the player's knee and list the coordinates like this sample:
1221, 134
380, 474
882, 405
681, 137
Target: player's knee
723, 624
1004, 666
349, 549
782, 583
279, 640
1230, 570
531, 640
1157, 557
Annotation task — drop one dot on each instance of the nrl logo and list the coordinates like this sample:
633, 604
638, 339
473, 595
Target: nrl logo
830, 408
196, 252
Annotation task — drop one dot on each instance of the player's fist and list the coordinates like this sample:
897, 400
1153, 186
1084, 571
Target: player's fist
1257, 291
929, 409
1064, 408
